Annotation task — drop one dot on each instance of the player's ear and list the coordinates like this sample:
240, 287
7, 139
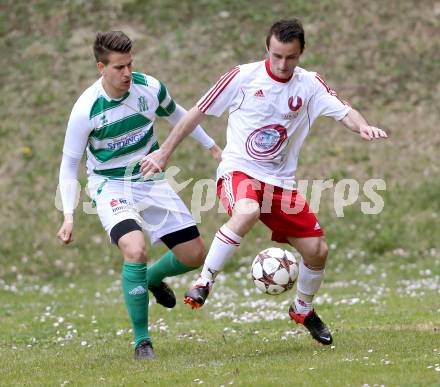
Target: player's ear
100, 67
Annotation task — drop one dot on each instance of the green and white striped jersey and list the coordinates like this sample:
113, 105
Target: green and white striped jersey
117, 133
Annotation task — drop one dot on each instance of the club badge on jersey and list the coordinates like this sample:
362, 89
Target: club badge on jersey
298, 103
264, 143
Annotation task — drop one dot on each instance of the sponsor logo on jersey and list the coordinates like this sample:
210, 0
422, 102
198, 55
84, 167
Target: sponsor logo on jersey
117, 210
130, 140
142, 104
119, 205
290, 115
137, 291
265, 142
259, 94
317, 226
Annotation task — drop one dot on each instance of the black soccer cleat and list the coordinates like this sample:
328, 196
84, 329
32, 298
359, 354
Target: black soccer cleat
144, 351
197, 295
313, 323
164, 295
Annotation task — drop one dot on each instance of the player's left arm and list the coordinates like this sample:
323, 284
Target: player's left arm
358, 124
326, 102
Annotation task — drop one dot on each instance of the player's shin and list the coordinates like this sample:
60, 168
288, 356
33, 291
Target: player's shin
308, 284
301, 310
223, 246
134, 286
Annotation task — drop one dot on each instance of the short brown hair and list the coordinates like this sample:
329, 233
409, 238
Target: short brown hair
287, 31
111, 41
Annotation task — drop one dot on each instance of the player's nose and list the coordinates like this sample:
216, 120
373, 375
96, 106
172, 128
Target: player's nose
127, 72
283, 64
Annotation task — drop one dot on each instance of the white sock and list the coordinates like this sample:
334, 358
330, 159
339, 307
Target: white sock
301, 306
309, 282
223, 246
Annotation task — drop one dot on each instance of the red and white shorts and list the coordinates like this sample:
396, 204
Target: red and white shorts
284, 211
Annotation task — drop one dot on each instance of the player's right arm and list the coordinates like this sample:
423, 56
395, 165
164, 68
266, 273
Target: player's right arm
77, 134
214, 102
157, 160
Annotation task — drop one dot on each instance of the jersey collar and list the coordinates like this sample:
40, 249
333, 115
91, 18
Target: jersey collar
272, 75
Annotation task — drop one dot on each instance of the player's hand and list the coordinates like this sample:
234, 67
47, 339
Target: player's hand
371, 132
216, 152
65, 233
154, 162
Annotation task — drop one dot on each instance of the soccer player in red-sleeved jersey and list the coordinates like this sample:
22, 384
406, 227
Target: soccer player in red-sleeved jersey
272, 105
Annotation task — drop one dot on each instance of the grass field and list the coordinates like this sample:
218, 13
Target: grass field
62, 319
384, 319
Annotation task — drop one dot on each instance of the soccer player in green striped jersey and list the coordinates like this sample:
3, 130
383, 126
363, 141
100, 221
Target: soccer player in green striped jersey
113, 122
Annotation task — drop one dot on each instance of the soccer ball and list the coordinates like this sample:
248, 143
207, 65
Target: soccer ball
274, 270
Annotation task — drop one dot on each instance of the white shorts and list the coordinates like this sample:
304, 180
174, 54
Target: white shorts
152, 204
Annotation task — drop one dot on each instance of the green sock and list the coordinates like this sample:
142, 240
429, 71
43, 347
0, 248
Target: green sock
166, 266
134, 286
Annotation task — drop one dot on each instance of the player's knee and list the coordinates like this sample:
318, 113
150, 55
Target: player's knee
194, 254
135, 253
198, 253
322, 252
316, 255
253, 215
246, 213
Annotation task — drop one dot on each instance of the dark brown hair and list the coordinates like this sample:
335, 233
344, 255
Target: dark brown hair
111, 41
287, 31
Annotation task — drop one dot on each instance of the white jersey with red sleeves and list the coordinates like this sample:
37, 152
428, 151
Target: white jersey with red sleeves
269, 119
